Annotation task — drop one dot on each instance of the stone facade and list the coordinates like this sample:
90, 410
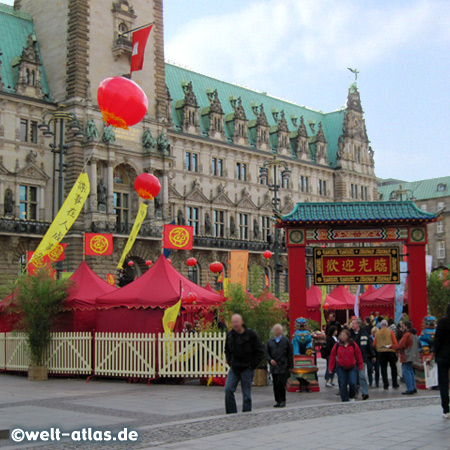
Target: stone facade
205, 148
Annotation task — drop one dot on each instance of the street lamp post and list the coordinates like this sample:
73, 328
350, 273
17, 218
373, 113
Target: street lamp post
59, 119
274, 187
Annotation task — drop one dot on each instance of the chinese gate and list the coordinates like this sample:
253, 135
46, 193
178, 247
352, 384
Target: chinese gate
385, 223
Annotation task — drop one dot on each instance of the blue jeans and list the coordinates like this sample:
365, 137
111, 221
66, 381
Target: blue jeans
233, 378
373, 369
328, 375
347, 382
408, 375
363, 380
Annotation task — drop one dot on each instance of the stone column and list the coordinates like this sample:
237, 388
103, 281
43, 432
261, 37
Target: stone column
110, 206
17, 201
93, 181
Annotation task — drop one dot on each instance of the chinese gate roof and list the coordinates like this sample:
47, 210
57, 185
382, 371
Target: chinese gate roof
356, 213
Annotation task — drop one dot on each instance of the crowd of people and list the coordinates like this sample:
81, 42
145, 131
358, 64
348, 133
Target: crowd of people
357, 352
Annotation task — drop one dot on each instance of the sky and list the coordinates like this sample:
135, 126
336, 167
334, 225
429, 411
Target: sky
300, 50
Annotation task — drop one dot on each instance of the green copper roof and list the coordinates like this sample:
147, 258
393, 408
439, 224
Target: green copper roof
331, 122
356, 212
15, 27
420, 190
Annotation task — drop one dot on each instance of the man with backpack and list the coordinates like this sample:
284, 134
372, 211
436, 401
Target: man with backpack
409, 353
347, 359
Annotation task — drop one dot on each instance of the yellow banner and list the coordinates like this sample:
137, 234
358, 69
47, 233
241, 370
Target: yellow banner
170, 318
134, 232
65, 218
239, 267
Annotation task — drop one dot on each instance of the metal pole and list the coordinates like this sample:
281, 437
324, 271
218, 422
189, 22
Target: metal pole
277, 234
59, 266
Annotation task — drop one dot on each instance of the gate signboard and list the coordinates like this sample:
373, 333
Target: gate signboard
356, 265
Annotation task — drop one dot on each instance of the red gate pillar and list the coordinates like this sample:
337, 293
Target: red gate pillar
296, 243
417, 277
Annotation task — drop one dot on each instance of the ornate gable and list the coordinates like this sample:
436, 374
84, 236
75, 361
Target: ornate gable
261, 118
239, 112
189, 97
282, 123
246, 200
320, 137
214, 103
196, 195
173, 193
302, 128
222, 199
29, 69
32, 171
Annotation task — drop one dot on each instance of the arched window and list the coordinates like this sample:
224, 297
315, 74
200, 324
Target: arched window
33, 78
123, 28
122, 196
27, 77
194, 274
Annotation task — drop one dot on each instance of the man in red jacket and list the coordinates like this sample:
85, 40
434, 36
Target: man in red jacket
346, 357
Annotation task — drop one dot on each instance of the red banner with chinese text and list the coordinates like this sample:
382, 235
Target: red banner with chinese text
361, 265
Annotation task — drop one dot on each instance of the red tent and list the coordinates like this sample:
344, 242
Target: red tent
367, 292
80, 311
381, 300
342, 296
209, 288
313, 297
139, 306
7, 320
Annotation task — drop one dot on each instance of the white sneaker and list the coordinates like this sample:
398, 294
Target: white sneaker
446, 415
352, 400
329, 384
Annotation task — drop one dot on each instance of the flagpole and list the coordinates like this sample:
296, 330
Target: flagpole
135, 29
84, 246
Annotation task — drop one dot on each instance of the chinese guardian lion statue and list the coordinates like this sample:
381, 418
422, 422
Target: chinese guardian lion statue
302, 341
426, 338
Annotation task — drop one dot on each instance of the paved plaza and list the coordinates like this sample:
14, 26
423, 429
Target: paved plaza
192, 416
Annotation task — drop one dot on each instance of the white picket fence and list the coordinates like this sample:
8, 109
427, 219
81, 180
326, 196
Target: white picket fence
129, 355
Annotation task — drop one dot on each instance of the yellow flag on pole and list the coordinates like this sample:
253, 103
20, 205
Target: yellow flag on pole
170, 318
65, 218
134, 232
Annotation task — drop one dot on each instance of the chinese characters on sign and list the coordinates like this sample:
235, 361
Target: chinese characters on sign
365, 265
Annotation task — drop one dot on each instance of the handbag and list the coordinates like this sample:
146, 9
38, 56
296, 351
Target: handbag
431, 374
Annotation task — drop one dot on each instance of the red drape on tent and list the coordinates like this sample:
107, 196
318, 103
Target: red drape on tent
381, 300
139, 306
345, 299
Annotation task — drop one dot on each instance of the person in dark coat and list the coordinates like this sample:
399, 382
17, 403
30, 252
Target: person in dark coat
332, 322
244, 351
280, 355
441, 350
360, 337
326, 351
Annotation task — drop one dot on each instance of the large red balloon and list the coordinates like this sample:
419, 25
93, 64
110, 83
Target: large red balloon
191, 262
267, 254
147, 186
122, 102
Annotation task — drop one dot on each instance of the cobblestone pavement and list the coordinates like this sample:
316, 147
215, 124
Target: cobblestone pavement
191, 416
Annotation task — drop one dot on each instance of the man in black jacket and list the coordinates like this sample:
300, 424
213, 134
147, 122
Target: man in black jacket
281, 358
362, 339
244, 351
332, 322
441, 350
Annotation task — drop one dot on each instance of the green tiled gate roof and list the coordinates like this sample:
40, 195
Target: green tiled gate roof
356, 212
331, 122
15, 27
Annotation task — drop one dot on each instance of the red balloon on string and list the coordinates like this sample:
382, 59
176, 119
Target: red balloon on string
191, 262
148, 263
267, 254
147, 186
131, 263
122, 102
216, 267
191, 297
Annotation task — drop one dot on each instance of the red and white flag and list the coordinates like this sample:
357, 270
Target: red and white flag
140, 38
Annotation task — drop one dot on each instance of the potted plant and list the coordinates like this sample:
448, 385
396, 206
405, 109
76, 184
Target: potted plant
259, 314
37, 301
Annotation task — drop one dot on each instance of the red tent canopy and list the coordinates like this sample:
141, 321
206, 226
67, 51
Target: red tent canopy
314, 297
343, 297
159, 287
87, 286
368, 291
209, 288
385, 295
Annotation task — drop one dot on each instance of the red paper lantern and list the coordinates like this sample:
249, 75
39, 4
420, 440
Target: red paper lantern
122, 102
191, 297
148, 263
131, 263
216, 267
191, 262
325, 306
147, 186
267, 254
